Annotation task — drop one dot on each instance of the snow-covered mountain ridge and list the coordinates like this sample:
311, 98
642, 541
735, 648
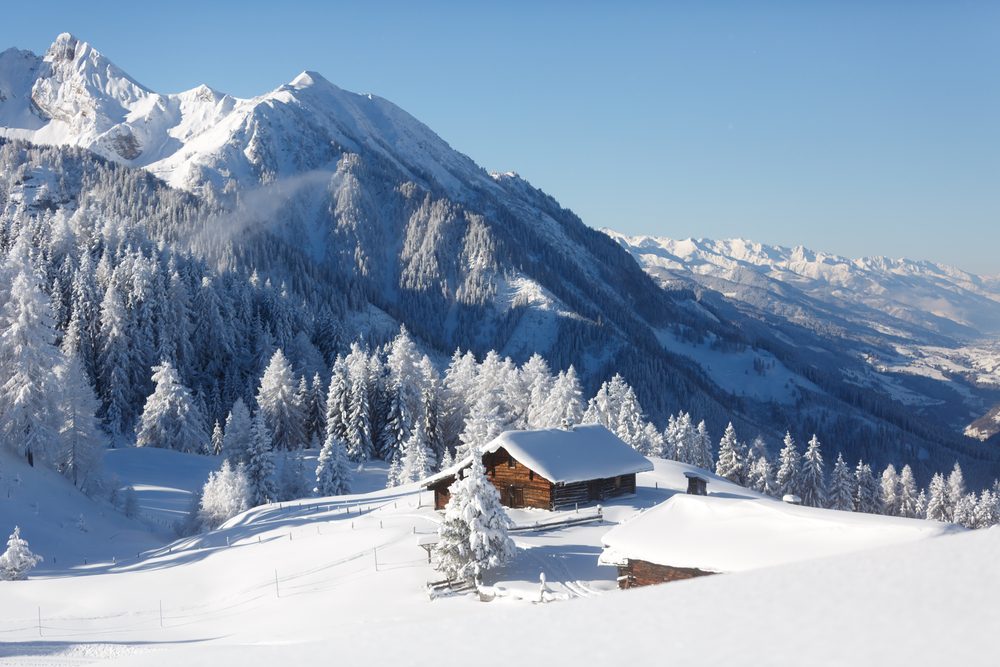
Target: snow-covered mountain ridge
930, 294
904, 317
74, 95
354, 211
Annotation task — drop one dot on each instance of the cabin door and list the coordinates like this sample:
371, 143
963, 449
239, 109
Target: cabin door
514, 496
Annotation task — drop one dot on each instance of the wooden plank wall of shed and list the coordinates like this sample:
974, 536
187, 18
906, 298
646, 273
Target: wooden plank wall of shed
504, 471
643, 573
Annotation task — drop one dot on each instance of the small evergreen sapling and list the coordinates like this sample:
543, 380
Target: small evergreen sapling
18, 560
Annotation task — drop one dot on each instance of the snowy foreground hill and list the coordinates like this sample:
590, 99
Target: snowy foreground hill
345, 577
349, 217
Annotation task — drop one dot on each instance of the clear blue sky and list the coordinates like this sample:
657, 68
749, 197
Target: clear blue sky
855, 127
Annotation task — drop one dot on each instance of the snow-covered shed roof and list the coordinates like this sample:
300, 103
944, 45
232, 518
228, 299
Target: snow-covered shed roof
563, 456
717, 534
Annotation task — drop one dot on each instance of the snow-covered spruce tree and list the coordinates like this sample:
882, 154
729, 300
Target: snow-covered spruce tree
417, 460
115, 386
484, 423
841, 494
789, 468
538, 383
937, 500
965, 511
170, 418
333, 472
79, 431
703, 447
399, 425
812, 479
889, 491
683, 439
459, 378
17, 560
908, 494
867, 493
730, 464
360, 445
260, 463
987, 511
762, 477
225, 494
29, 391
956, 489
277, 399
236, 439
472, 537
338, 404
218, 437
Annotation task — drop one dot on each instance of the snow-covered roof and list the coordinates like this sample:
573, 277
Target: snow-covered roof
719, 534
563, 456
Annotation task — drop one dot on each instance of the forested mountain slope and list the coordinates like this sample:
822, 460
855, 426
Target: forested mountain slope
310, 216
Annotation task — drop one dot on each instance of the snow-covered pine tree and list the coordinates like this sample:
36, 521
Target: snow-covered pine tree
417, 460
473, 537
236, 440
841, 495
432, 426
260, 463
789, 468
730, 465
17, 560
987, 513
867, 493
225, 494
703, 447
29, 390
889, 491
684, 439
79, 431
956, 489
333, 472
484, 423
538, 383
277, 400
170, 418
812, 478
358, 427
115, 387
937, 500
459, 378
761, 477
965, 511
908, 494
218, 436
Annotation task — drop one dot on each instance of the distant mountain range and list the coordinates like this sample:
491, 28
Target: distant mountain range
346, 197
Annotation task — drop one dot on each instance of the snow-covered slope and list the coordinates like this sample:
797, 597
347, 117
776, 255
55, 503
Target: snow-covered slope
344, 576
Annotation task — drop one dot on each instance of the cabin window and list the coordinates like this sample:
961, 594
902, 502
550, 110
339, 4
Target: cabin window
511, 462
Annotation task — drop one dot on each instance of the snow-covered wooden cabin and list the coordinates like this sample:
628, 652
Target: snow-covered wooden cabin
693, 535
552, 468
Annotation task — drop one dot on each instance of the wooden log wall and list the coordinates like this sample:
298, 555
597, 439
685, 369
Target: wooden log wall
643, 573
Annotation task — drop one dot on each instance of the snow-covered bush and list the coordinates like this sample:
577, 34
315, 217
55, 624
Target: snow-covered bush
225, 494
17, 561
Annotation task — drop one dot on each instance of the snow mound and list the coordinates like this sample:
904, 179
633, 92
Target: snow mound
718, 534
